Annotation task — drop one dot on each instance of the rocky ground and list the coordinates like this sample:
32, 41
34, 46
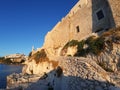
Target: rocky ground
94, 71
16, 81
71, 74
115, 77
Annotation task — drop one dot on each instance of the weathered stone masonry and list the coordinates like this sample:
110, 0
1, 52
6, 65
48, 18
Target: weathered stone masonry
85, 18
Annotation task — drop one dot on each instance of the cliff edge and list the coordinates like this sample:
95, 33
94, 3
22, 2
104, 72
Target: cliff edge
82, 52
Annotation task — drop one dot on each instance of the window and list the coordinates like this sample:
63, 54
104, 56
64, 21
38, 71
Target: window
100, 14
79, 6
78, 29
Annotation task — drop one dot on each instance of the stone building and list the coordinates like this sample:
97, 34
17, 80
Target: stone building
85, 18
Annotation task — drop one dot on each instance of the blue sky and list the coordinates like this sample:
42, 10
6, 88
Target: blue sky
24, 23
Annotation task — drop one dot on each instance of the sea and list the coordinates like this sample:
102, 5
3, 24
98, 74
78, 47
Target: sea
6, 70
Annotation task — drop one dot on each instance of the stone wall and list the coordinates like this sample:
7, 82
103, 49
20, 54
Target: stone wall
114, 4
85, 18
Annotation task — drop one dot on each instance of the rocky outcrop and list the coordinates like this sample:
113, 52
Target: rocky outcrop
109, 59
104, 50
83, 73
70, 74
39, 63
16, 81
76, 73
32, 67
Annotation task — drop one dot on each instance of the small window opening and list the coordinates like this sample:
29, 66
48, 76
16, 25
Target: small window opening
100, 14
78, 29
79, 6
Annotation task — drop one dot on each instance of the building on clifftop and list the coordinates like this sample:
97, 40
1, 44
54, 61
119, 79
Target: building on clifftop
85, 18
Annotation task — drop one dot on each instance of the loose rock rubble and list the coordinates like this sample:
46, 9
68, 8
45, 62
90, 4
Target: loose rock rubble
72, 74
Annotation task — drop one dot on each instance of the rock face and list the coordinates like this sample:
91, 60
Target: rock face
75, 73
39, 63
82, 74
104, 50
32, 67
71, 73
109, 59
15, 81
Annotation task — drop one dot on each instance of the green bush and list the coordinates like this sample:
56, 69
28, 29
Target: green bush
81, 51
71, 43
96, 46
81, 45
90, 40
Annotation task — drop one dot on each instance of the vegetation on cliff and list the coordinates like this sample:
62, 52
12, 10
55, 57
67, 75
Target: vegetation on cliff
91, 45
100, 48
39, 56
77, 69
95, 45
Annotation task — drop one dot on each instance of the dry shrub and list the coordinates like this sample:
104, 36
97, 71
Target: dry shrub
40, 56
96, 45
54, 63
115, 32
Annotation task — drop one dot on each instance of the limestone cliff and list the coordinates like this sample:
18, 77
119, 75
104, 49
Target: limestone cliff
99, 70
70, 74
59, 64
105, 50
